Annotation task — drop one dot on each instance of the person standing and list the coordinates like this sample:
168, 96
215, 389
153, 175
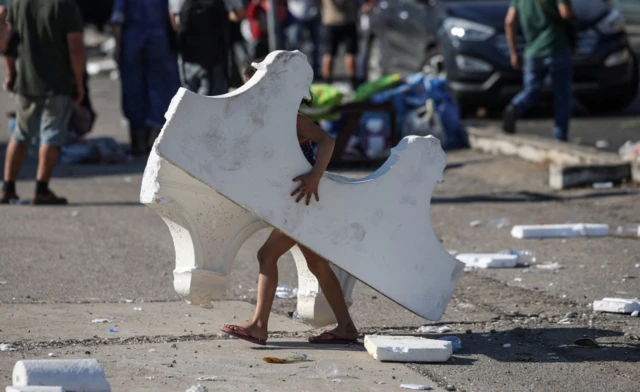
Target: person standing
203, 44
306, 17
148, 67
47, 80
546, 27
257, 17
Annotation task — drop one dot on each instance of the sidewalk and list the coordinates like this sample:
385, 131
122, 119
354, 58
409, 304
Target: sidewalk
167, 346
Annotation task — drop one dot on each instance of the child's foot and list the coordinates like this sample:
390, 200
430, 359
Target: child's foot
250, 332
338, 335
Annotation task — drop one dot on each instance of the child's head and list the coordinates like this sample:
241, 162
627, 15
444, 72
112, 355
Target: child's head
250, 70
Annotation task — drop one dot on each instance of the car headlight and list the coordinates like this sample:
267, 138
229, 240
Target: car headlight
466, 30
613, 23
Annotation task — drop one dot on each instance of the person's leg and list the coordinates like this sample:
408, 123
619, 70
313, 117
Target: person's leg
314, 26
276, 245
217, 79
331, 41
55, 119
133, 85
562, 78
27, 125
161, 71
351, 43
332, 291
294, 34
533, 78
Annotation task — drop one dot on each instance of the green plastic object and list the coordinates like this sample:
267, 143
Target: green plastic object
325, 97
367, 90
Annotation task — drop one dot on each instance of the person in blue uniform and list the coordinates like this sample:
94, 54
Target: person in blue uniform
148, 67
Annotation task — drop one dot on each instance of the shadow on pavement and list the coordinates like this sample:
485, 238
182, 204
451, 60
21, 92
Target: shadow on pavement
280, 345
526, 197
543, 345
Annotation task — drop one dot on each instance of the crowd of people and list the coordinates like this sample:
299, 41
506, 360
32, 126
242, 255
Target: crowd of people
160, 46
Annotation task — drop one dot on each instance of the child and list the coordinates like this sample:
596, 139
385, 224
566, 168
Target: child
278, 243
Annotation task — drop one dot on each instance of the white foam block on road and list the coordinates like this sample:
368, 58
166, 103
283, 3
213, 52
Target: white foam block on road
34, 389
561, 231
378, 229
85, 375
407, 349
616, 305
488, 260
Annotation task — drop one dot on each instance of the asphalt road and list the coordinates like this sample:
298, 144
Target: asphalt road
106, 247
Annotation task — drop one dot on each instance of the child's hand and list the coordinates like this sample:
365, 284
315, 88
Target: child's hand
308, 187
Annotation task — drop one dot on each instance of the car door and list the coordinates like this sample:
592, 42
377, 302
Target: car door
406, 34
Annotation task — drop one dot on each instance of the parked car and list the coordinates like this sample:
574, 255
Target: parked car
464, 41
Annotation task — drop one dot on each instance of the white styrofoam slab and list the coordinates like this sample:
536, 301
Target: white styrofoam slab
562, 231
244, 145
85, 375
488, 260
34, 389
407, 349
616, 305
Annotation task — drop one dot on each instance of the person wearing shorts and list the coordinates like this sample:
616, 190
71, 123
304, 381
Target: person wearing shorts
47, 81
339, 18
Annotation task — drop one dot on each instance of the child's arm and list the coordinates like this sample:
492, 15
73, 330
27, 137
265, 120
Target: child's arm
309, 182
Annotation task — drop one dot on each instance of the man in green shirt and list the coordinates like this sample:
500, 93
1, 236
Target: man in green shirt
547, 52
47, 78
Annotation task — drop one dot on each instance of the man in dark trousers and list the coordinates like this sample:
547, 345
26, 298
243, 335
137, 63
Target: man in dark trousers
545, 25
47, 80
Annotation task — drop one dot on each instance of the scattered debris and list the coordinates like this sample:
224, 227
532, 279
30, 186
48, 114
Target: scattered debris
602, 185
631, 230
286, 292
565, 321
60, 257
475, 223
3, 282
197, 388
629, 151
100, 321
150, 378
128, 180
456, 343
152, 350
290, 359
524, 357
416, 387
506, 345
52, 355
128, 300
488, 260
137, 309
586, 342
434, 329
407, 349
499, 223
326, 368
616, 305
602, 144
450, 387
75, 213
337, 380
7, 347
207, 378
560, 231
550, 266
112, 330
571, 315
635, 313
517, 279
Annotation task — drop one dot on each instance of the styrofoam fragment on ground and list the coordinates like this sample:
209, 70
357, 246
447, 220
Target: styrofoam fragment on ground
550, 266
560, 231
635, 313
34, 389
416, 387
407, 349
488, 260
616, 305
85, 375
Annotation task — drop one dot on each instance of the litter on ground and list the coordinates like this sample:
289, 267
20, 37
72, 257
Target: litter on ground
433, 329
291, 359
407, 349
100, 321
416, 387
617, 305
550, 266
560, 231
488, 260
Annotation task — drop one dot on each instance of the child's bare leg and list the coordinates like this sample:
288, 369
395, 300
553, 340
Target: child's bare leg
275, 246
332, 291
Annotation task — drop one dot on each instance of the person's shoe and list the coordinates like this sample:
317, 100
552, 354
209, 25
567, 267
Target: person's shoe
8, 196
509, 119
49, 199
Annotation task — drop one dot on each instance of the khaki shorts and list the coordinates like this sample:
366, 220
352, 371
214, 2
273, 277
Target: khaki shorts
47, 117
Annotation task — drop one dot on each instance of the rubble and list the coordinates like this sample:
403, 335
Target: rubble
488, 260
617, 305
560, 231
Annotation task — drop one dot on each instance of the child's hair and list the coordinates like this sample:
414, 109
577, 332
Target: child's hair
250, 70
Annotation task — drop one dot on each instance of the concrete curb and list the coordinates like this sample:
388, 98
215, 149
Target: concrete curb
570, 165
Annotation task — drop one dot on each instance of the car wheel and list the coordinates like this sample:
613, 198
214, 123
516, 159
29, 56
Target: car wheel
434, 63
375, 69
617, 101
